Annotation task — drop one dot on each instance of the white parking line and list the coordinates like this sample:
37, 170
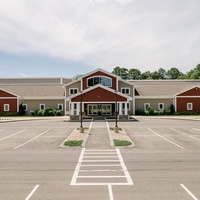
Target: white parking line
185, 134
12, 135
178, 131
195, 138
196, 129
32, 192
31, 139
110, 192
165, 138
188, 191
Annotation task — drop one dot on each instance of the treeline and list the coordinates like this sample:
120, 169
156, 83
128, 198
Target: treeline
173, 73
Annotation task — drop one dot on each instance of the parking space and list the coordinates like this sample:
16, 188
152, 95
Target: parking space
164, 164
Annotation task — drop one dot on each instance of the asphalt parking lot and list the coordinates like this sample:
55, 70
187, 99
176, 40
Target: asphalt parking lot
164, 164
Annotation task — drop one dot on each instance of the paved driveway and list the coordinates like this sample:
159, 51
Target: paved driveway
164, 164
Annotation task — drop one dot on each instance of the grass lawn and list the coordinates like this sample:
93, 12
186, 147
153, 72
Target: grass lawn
122, 143
73, 143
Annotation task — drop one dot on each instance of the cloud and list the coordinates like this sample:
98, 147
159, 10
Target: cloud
104, 33
22, 75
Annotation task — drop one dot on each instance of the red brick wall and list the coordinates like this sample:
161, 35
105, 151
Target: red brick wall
98, 95
5, 94
99, 73
182, 104
12, 104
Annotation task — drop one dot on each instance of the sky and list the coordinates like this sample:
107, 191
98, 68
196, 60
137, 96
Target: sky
63, 38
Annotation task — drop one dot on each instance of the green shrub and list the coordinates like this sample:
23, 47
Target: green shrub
172, 109
32, 112
21, 110
57, 112
151, 110
40, 112
140, 112
9, 114
186, 113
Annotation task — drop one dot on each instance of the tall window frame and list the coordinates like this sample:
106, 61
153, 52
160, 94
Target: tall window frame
42, 106
73, 91
189, 106
125, 90
103, 80
6, 107
60, 106
146, 105
161, 106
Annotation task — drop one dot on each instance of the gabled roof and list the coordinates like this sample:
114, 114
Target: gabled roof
8, 92
99, 86
154, 88
35, 90
101, 70
187, 89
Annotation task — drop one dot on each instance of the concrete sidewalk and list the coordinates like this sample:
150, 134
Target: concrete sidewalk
98, 136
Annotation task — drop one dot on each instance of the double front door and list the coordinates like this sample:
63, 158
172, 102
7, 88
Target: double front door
99, 109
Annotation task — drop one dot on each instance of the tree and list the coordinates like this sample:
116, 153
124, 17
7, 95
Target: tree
173, 73
146, 75
77, 77
122, 72
194, 73
134, 74
162, 73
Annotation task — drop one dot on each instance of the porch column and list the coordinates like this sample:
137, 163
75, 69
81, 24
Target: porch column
125, 109
72, 109
78, 108
120, 108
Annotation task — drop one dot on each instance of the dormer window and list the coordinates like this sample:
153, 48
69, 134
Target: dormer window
99, 80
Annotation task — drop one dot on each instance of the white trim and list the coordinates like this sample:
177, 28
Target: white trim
42, 104
26, 105
60, 104
153, 97
6, 109
43, 98
188, 97
8, 97
163, 106
101, 86
187, 89
125, 88
189, 106
99, 83
101, 70
145, 105
9, 93
73, 91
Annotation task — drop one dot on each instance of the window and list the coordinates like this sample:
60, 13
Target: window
60, 106
42, 106
125, 90
161, 106
146, 105
73, 90
25, 107
189, 106
6, 107
99, 80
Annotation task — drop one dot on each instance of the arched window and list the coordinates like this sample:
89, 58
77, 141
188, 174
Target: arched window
99, 80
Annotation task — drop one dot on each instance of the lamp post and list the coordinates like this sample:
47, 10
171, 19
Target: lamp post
81, 130
116, 129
